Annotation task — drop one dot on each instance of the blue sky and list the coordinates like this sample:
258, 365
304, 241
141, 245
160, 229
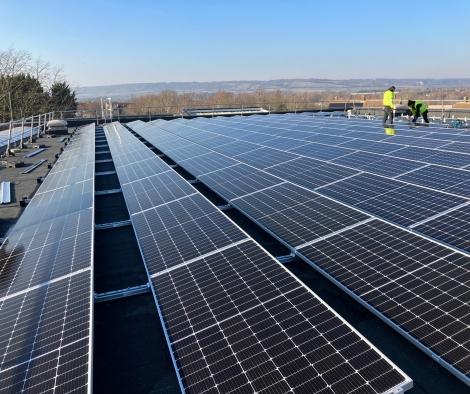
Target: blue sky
107, 42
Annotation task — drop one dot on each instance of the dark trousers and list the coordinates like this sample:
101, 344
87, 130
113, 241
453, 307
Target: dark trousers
388, 115
424, 115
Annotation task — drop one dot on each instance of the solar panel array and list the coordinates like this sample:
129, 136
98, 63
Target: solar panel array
46, 280
235, 319
16, 135
382, 216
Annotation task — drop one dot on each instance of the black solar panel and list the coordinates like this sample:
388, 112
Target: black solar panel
420, 286
360, 187
452, 228
409, 204
207, 163
155, 190
265, 157
321, 152
45, 344
238, 321
297, 220
238, 180
441, 178
310, 173
182, 230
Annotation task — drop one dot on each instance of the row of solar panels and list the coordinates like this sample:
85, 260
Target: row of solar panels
348, 223
46, 280
235, 319
15, 135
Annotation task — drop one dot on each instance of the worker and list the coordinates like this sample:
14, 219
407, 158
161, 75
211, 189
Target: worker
389, 95
418, 108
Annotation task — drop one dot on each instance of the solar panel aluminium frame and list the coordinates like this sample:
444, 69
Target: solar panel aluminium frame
406, 385
386, 320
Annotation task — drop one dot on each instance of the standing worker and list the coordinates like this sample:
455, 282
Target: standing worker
418, 108
389, 96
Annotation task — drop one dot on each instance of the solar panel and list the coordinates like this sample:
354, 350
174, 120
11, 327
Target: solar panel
321, 152
265, 157
45, 281
418, 285
310, 173
441, 178
238, 180
377, 164
207, 163
188, 152
155, 190
182, 230
297, 216
218, 294
409, 204
451, 227
360, 187
371, 146
238, 321
461, 147
235, 148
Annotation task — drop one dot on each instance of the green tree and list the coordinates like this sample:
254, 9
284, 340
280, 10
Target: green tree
62, 97
26, 93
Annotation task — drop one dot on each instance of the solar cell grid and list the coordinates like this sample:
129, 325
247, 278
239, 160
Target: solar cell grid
182, 230
45, 280
452, 228
321, 152
141, 170
410, 280
284, 143
277, 198
462, 147
297, 222
43, 252
418, 142
187, 152
441, 178
207, 163
371, 146
409, 204
155, 190
360, 187
265, 157
310, 173
49, 205
45, 337
235, 148
392, 167
238, 180
239, 322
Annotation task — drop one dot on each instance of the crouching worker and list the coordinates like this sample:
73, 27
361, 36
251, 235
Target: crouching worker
418, 108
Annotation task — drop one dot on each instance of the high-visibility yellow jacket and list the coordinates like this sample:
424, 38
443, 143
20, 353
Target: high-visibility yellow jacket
388, 99
419, 107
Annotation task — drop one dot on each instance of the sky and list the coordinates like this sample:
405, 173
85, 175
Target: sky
115, 41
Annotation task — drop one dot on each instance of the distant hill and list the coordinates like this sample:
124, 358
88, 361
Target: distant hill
126, 91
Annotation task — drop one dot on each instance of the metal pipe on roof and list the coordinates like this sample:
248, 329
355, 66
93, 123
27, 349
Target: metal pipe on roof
22, 131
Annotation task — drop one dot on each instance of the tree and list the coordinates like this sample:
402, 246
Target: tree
26, 94
62, 97
32, 85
